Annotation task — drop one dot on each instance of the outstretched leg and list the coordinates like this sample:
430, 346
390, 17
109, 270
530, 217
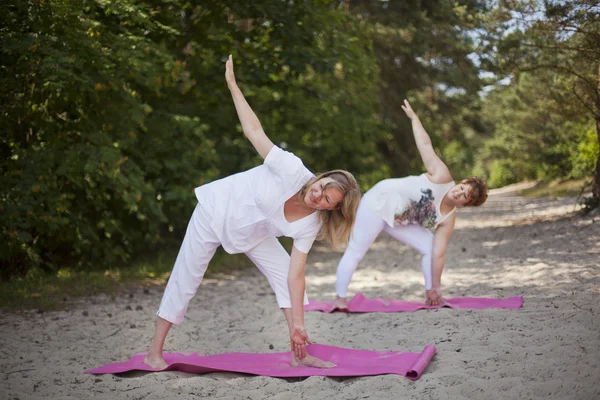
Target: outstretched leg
419, 239
366, 228
198, 247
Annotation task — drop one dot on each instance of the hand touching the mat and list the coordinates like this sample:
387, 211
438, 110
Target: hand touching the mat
300, 358
298, 339
434, 297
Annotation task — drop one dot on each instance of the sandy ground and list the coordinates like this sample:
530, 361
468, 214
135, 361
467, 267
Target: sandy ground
511, 246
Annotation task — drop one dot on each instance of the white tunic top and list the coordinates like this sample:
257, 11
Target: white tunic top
410, 200
246, 208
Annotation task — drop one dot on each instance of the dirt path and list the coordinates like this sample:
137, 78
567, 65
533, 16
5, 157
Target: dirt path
549, 349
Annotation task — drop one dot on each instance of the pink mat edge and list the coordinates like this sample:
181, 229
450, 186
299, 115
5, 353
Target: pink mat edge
320, 305
413, 373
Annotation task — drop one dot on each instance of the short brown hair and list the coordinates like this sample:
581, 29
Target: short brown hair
479, 191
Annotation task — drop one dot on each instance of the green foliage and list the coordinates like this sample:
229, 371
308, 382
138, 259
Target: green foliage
551, 50
501, 173
74, 184
584, 155
459, 158
539, 131
114, 110
424, 54
532, 136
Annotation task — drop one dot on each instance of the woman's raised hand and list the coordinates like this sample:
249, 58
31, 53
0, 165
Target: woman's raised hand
408, 110
229, 75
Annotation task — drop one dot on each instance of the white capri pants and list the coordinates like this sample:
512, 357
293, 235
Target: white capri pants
366, 228
199, 246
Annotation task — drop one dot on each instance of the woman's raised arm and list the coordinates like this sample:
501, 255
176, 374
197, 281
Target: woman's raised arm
434, 165
250, 123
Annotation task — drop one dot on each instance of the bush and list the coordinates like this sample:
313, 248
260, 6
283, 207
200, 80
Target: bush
501, 173
113, 111
585, 154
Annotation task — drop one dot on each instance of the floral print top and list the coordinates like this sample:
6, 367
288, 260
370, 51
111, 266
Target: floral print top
413, 200
421, 213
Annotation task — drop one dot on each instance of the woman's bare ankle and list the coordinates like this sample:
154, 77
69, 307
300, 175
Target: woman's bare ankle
340, 302
155, 359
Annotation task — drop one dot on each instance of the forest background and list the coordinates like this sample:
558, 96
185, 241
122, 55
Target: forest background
112, 111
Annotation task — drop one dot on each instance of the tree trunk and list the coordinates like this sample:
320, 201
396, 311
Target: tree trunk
596, 186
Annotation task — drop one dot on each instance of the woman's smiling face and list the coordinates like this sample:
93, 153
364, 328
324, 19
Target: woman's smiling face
321, 197
459, 194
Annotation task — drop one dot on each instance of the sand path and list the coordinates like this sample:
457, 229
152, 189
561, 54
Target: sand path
512, 246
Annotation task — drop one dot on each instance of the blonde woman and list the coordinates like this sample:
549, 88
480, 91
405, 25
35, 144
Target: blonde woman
245, 213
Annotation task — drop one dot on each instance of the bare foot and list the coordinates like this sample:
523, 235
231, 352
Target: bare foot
156, 362
340, 303
310, 361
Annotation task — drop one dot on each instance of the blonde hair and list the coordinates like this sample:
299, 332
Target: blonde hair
337, 224
478, 193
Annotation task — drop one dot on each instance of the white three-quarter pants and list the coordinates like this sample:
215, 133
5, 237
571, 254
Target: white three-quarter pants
366, 228
198, 248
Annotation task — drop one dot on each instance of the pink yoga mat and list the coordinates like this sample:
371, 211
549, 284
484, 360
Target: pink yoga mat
348, 363
360, 304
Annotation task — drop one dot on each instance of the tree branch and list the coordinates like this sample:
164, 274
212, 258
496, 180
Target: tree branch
595, 113
561, 48
557, 67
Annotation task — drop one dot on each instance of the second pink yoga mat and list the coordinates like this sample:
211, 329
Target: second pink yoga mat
360, 304
349, 363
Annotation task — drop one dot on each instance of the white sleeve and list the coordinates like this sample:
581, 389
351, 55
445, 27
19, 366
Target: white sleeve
305, 240
285, 164
304, 243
